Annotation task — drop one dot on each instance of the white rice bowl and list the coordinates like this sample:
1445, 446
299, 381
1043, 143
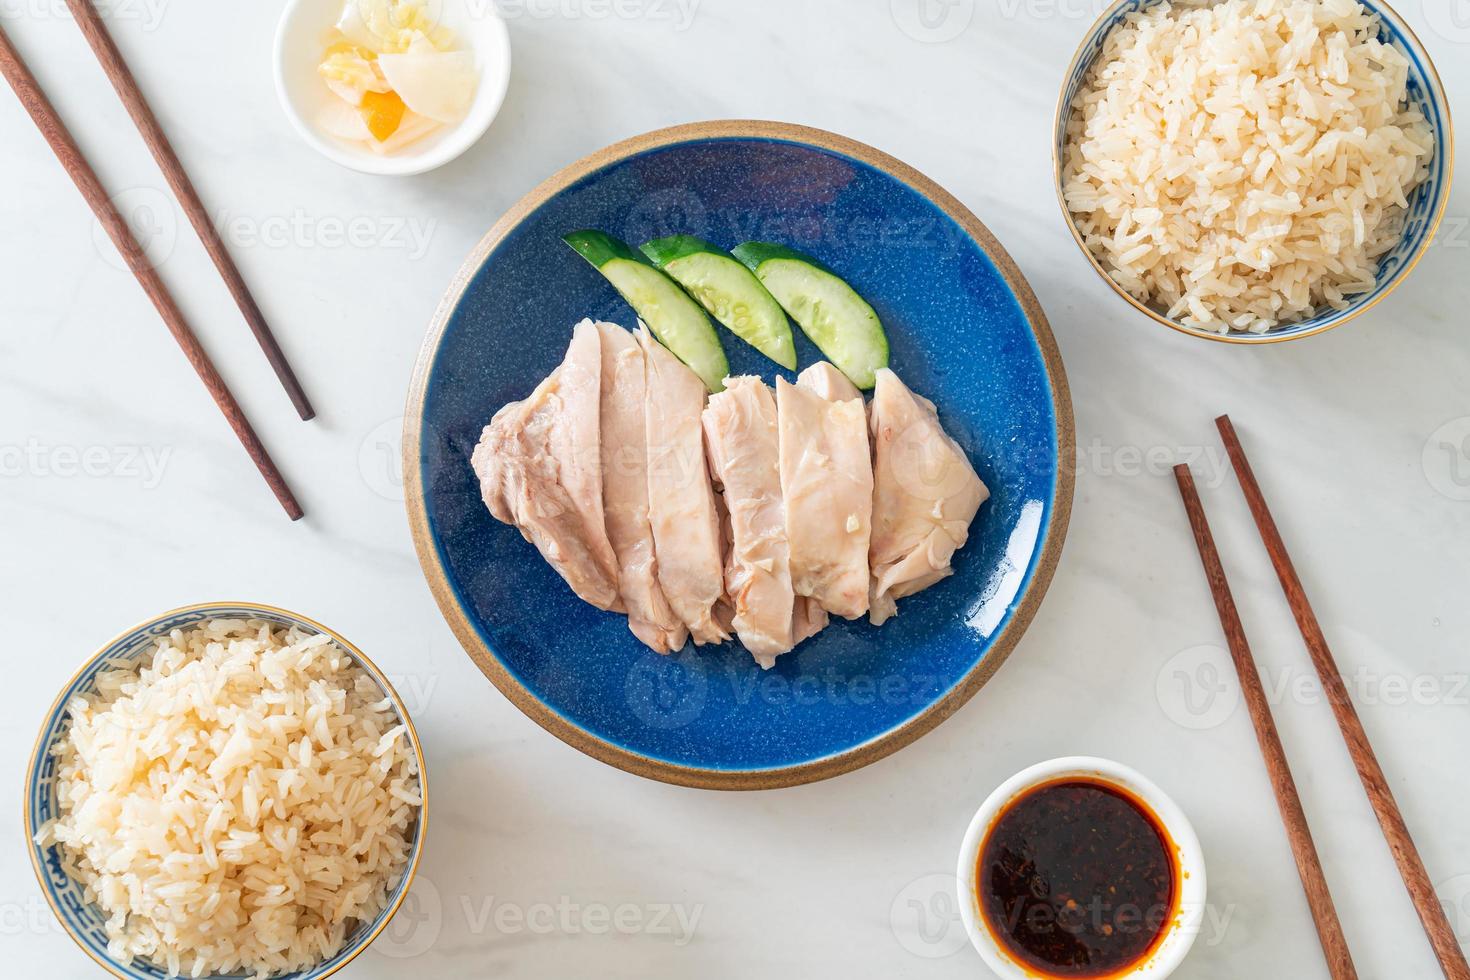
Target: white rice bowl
237, 803
1242, 164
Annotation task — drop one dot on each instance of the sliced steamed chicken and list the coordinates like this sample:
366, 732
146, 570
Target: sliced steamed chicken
540, 469
925, 495
827, 484
625, 491
742, 437
808, 618
681, 501
824, 379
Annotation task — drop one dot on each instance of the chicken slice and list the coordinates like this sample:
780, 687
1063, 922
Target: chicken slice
743, 440
625, 491
681, 501
824, 379
808, 619
827, 483
540, 470
925, 495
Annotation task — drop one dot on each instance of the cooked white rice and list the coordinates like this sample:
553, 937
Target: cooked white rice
238, 804
1244, 163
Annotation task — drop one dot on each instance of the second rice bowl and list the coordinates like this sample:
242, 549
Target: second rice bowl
1427, 202
85, 921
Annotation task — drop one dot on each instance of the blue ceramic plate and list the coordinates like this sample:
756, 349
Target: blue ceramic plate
85, 921
965, 331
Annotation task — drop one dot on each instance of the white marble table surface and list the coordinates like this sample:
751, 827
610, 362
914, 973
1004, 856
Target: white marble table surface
122, 493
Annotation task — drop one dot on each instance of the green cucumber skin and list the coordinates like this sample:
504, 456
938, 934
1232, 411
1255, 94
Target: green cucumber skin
600, 248
841, 347
662, 251
772, 330
754, 254
686, 331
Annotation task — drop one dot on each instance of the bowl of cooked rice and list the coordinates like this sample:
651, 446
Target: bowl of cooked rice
227, 790
1253, 171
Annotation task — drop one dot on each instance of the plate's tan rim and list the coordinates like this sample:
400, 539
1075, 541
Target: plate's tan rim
860, 755
1234, 337
358, 655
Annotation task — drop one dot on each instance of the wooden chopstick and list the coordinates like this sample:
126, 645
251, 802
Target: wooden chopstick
1288, 801
54, 130
1405, 854
90, 21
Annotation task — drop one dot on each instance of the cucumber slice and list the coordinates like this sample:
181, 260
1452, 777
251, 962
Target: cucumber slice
674, 318
729, 292
829, 311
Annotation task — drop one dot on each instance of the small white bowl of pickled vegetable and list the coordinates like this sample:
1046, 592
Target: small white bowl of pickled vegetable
391, 87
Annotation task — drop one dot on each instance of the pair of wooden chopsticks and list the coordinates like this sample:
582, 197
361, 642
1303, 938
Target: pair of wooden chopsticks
34, 99
1406, 855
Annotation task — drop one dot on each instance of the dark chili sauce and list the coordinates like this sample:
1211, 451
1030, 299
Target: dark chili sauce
1077, 878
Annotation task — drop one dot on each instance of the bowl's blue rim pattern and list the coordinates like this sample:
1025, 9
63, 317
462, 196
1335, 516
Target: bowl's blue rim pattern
64, 895
1427, 204
1038, 574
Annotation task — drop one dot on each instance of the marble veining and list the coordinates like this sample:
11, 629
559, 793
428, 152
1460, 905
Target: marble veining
1361, 437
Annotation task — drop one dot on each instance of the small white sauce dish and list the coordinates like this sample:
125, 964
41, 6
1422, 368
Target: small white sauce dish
301, 42
1184, 924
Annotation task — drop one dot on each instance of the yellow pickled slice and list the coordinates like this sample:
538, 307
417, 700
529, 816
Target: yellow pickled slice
383, 113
